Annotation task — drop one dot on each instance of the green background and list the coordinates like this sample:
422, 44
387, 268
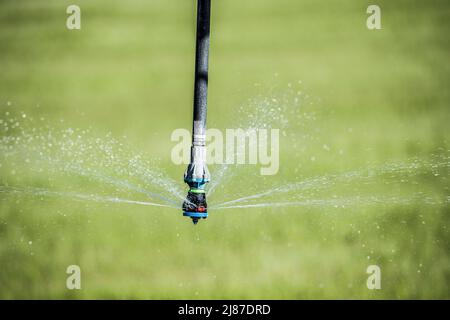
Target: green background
379, 96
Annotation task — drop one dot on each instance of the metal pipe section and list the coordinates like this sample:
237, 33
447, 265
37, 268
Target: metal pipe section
201, 71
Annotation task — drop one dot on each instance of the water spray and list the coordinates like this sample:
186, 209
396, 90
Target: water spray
197, 174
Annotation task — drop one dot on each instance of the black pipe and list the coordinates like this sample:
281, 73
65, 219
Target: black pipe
201, 71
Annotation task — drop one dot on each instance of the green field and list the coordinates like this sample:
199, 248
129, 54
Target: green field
370, 98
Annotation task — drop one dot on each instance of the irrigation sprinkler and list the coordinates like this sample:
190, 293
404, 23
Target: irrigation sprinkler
197, 174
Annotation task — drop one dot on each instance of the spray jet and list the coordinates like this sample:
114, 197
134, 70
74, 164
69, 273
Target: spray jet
197, 174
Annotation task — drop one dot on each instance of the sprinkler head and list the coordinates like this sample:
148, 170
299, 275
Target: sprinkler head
196, 176
195, 205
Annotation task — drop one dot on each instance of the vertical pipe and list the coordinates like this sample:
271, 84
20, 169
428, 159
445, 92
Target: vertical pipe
197, 174
201, 72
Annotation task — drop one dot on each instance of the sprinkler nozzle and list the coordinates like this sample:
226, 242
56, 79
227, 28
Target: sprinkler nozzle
195, 205
196, 176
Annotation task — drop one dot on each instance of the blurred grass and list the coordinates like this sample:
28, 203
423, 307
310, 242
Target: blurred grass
383, 95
